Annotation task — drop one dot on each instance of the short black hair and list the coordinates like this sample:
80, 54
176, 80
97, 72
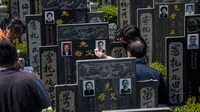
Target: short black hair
193, 36
161, 9
88, 83
8, 53
49, 13
16, 26
129, 32
137, 49
124, 81
100, 42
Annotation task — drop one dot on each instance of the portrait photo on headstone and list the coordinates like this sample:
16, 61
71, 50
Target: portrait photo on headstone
88, 88
125, 86
49, 17
189, 9
163, 11
66, 48
193, 41
100, 46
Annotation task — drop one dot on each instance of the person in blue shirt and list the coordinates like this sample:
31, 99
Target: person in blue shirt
20, 91
193, 44
137, 49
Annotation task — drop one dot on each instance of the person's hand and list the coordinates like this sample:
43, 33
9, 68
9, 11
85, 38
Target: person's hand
18, 65
98, 53
111, 38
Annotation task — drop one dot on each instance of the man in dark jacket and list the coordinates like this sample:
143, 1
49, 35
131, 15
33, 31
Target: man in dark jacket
20, 91
143, 72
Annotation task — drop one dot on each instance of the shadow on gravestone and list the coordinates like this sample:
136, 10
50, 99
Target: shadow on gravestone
108, 2
147, 92
95, 17
163, 109
175, 63
66, 98
106, 84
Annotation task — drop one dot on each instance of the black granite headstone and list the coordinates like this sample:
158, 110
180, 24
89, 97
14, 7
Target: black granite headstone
175, 61
95, 17
66, 98
106, 84
117, 50
147, 92
192, 29
81, 40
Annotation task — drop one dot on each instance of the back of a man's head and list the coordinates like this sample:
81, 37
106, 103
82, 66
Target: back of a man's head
8, 54
136, 49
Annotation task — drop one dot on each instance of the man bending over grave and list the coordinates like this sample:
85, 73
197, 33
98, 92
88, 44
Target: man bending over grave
137, 49
20, 91
127, 34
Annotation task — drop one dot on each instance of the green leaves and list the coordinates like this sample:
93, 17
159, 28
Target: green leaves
21, 47
191, 106
158, 66
110, 13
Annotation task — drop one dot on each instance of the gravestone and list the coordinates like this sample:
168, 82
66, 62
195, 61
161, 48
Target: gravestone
4, 14
95, 17
106, 84
175, 56
108, 2
49, 70
117, 50
158, 2
81, 40
146, 25
34, 37
93, 6
66, 98
20, 8
14, 10
124, 12
147, 92
163, 109
140, 4
113, 32
192, 55
62, 12
169, 25
64, 5
26, 7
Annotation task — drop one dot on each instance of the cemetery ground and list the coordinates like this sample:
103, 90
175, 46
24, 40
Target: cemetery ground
80, 26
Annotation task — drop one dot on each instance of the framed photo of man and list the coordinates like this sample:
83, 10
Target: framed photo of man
49, 17
163, 11
88, 88
189, 9
125, 86
66, 48
100, 46
193, 41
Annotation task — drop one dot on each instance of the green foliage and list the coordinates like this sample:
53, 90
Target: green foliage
5, 2
191, 106
158, 66
110, 13
48, 110
21, 47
